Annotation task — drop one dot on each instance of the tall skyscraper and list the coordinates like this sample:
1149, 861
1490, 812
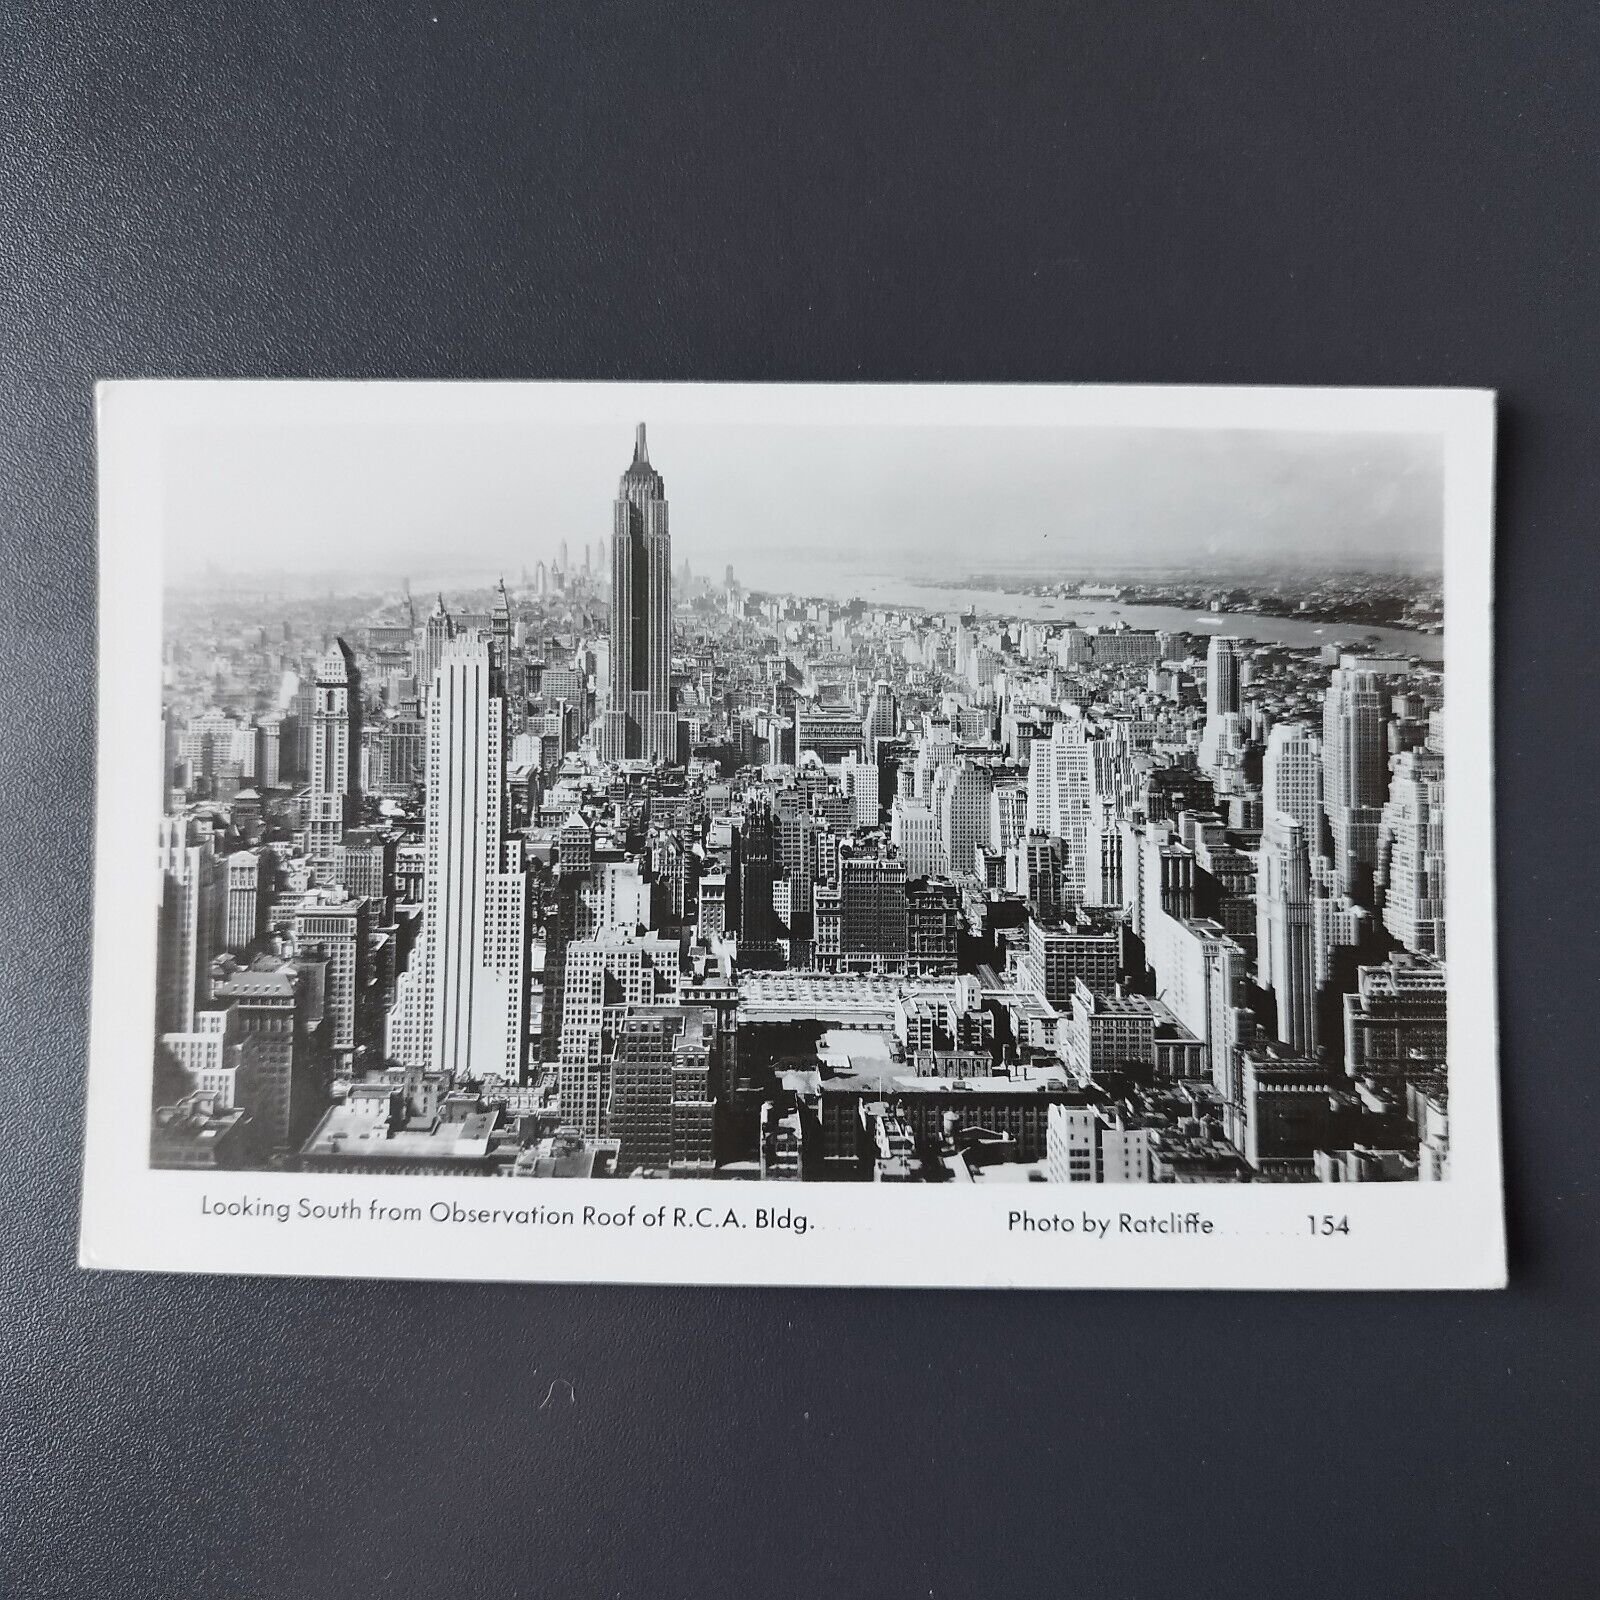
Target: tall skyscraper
272, 734
639, 721
1355, 771
661, 1108
795, 858
1396, 1019
205, 744
1410, 866
1061, 802
1104, 864
244, 750
966, 641
605, 976
937, 749
508, 662
874, 922
1008, 814
859, 780
562, 910
754, 871
933, 925
401, 755
304, 704
882, 720
1035, 870
914, 832
437, 632
500, 628
193, 911
1285, 949
247, 901
462, 1005
337, 926
335, 800
1223, 679
1198, 970
961, 806
282, 1030
1291, 780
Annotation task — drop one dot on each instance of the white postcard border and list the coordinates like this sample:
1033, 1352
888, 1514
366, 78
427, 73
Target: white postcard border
1443, 1235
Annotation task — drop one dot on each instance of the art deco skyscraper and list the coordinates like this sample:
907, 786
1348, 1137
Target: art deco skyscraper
1285, 950
246, 898
1355, 771
1410, 873
436, 634
508, 662
335, 799
1222, 700
461, 1007
1222, 677
1061, 801
639, 721
1291, 779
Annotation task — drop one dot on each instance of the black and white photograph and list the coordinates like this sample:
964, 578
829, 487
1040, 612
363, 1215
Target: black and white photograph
1028, 794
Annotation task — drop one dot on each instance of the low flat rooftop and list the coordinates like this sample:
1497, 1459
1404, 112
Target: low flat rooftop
997, 1172
361, 1131
1125, 1005
816, 996
247, 982
902, 1082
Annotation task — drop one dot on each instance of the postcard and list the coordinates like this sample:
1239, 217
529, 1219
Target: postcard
980, 836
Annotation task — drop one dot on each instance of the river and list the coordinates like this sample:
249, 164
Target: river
887, 589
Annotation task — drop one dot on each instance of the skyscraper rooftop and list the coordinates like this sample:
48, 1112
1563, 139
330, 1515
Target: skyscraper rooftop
640, 472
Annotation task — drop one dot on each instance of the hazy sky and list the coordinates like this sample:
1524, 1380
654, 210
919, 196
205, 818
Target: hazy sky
445, 501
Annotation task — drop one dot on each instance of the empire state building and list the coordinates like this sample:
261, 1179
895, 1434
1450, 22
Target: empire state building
639, 722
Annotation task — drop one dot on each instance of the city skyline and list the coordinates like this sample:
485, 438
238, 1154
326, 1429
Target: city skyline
779, 502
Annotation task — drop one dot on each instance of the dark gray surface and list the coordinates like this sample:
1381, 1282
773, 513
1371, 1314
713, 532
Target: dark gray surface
1196, 193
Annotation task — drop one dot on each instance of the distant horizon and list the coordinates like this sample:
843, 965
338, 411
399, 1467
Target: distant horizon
886, 500
473, 578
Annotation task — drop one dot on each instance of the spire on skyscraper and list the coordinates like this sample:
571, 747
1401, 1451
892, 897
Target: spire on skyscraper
639, 716
640, 473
